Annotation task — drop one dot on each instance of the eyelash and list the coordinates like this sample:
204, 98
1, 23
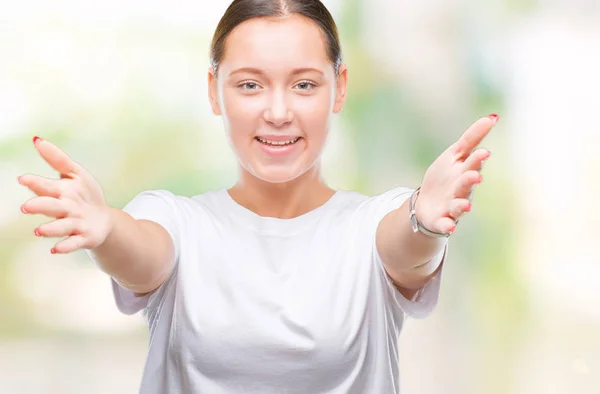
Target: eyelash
244, 85
310, 83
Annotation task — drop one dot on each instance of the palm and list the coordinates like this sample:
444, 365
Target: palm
449, 181
75, 201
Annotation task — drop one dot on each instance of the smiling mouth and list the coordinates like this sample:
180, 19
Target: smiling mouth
277, 144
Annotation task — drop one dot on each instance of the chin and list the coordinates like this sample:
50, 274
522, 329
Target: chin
278, 174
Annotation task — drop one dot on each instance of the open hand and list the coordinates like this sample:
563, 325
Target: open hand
449, 181
75, 201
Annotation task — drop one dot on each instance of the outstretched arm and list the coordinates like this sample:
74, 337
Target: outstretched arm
136, 253
409, 257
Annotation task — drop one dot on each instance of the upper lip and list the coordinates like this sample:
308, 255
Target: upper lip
278, 137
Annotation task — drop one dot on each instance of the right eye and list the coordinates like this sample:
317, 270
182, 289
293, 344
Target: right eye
249, 86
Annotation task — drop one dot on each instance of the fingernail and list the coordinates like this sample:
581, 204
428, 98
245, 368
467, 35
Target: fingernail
36, 232
480, 179
23, 209
53, 251
452, 229
468, 209
494, 117
19, 180
36, 139
487, 156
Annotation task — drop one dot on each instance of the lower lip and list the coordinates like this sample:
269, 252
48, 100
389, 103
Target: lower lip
279, 151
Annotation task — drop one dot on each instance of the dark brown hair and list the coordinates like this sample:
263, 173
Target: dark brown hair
242, 10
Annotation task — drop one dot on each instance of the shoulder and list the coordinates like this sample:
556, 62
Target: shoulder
360, 213
207, 197
382, 201
161, 200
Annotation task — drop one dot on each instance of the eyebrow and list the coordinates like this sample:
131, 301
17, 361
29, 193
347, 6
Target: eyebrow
257, 71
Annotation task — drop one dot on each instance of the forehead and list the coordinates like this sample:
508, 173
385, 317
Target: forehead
276, 44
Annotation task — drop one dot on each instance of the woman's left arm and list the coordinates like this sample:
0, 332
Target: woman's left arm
409, 258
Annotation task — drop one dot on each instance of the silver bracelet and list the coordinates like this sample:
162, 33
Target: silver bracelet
416, 226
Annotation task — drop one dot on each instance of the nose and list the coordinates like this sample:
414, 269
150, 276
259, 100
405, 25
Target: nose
278, 112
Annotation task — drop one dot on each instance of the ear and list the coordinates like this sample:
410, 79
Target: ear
213, 92
341, 88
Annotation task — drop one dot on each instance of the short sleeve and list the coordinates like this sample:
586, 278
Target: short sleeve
426, 299
159, 206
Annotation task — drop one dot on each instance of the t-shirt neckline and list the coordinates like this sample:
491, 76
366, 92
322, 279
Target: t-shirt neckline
273, 225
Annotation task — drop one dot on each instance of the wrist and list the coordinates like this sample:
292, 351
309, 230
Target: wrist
416, 224
108, 217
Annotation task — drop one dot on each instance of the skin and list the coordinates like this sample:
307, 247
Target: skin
275, 79
412, 259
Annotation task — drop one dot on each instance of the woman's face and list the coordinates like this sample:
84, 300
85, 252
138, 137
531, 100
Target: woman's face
277, 91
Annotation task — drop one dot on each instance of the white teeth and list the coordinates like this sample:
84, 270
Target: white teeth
278, 143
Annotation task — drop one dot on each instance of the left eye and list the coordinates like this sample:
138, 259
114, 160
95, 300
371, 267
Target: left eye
305, 85
249, 86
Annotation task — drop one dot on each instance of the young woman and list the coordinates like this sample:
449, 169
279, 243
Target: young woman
278, 284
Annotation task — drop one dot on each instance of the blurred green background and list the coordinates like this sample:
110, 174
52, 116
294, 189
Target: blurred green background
122, 88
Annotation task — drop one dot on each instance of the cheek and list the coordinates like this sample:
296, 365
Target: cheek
314, 115
241, 112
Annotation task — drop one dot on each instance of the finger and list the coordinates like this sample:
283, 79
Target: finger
476, 159
69, 245
446, 225
466, 182
58, 228
458, 207
48, 206
471, 138
41, 186
56, 157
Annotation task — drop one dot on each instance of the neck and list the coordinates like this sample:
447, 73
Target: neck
281, 200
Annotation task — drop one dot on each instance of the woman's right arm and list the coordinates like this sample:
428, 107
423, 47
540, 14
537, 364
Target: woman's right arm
138, 254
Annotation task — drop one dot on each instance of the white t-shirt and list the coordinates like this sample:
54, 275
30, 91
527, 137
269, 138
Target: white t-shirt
261, 305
